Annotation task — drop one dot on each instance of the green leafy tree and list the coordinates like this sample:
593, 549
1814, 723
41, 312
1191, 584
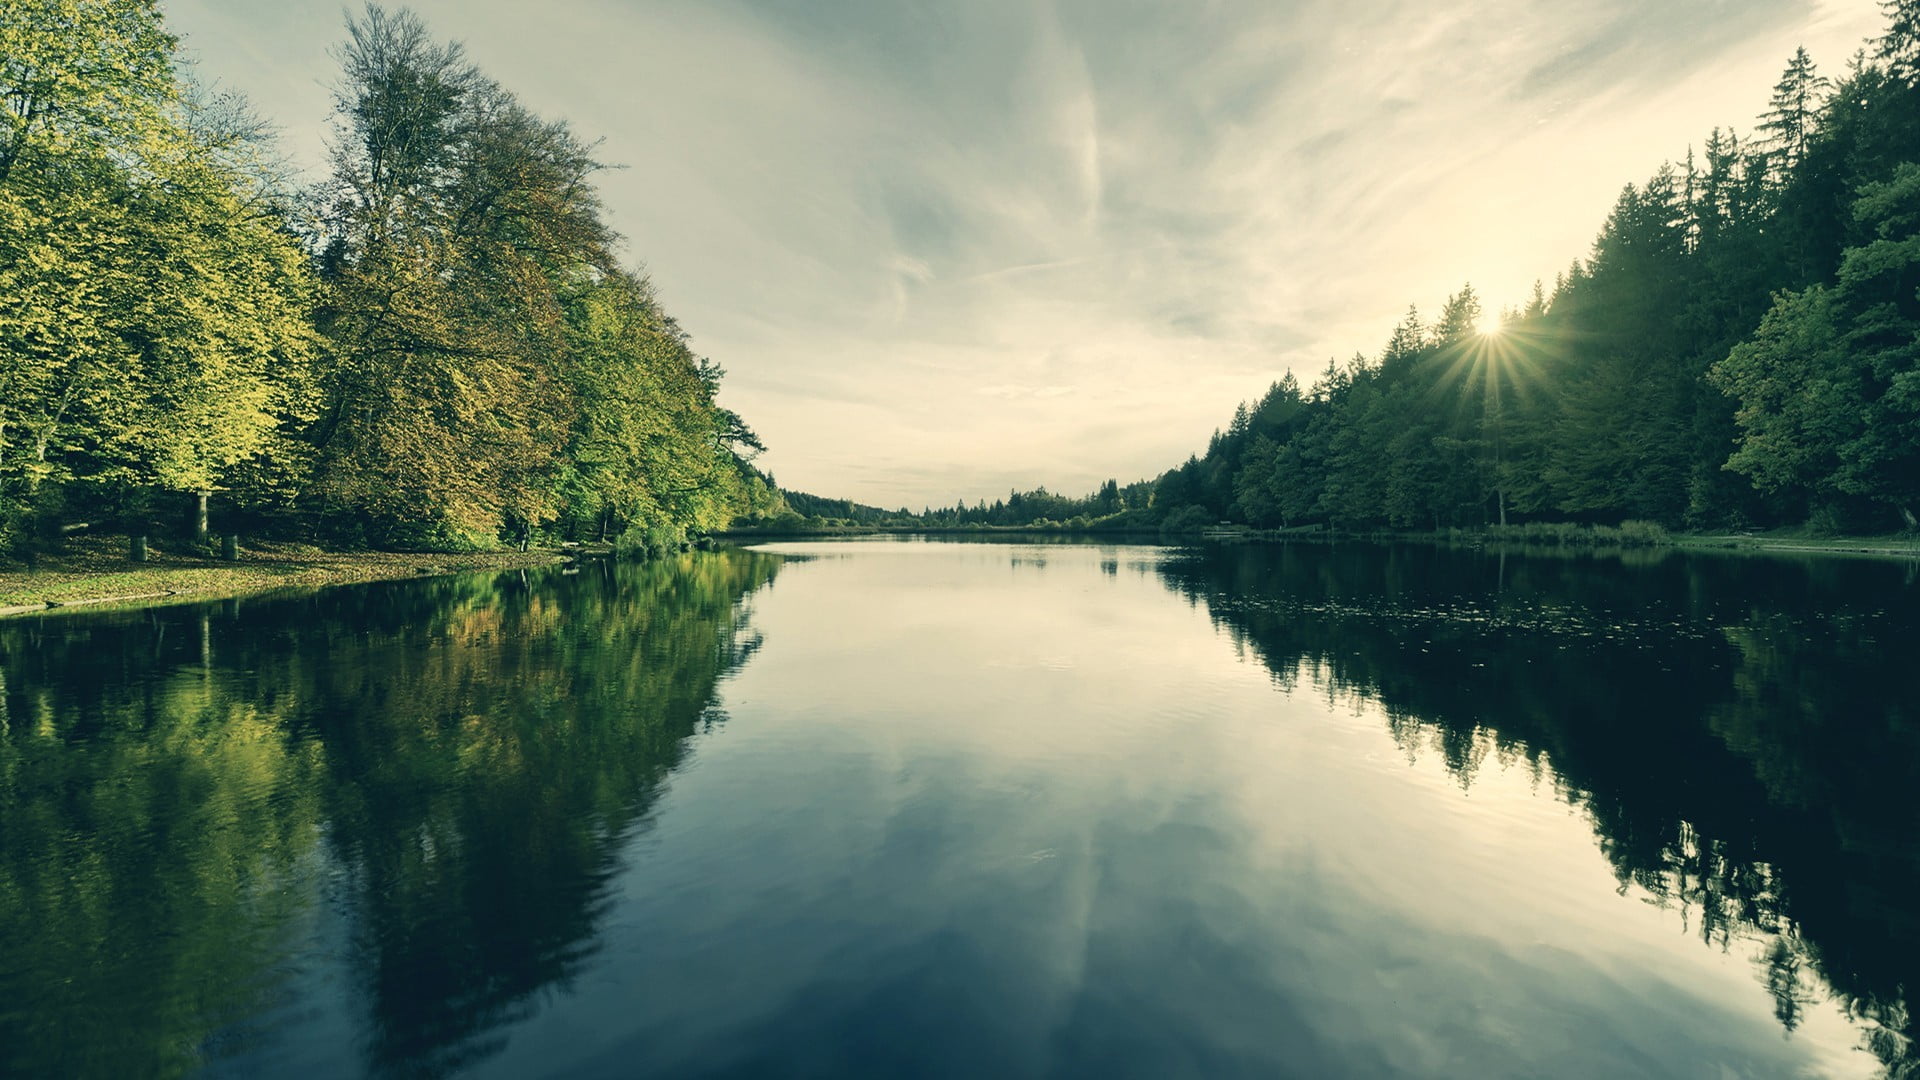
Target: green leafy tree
160, 333
455, 215
81, 77
1459, 318
1829, 386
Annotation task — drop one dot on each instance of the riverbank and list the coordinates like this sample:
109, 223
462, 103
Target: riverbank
96, 572
1595, 538
1548, 535
1908, 546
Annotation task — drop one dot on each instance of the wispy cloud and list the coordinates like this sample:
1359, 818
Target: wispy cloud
945, 248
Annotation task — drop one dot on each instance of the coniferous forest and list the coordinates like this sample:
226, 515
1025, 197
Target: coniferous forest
435, 345
1740, 349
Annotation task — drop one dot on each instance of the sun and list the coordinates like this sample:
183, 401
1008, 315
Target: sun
1488, 326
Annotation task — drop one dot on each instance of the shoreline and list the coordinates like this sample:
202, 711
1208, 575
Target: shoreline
91, 578
1838, 545
1905, 547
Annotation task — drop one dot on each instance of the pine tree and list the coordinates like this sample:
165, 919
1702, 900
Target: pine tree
1793, 114
1459, 318
1900, 45
1408, 339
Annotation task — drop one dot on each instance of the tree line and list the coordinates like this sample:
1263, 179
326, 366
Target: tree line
435, 345
1740, 349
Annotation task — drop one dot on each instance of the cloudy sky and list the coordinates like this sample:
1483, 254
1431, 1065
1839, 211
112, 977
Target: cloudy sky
949, 247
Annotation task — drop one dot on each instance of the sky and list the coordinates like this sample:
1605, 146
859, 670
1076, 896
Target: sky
949, 248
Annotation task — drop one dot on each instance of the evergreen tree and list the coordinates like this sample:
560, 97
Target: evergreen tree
1793, 112
1899, 46
1459, 318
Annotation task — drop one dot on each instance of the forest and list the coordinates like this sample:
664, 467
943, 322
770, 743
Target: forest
436, 345
1739, 350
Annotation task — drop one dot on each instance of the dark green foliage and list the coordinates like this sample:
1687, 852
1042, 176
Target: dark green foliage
1829, 386
1741, 348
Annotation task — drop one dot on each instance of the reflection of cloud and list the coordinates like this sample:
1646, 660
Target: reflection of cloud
905, 227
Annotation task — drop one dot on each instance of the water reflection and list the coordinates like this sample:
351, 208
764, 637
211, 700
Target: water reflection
1010, 810
1740, 733
194, 799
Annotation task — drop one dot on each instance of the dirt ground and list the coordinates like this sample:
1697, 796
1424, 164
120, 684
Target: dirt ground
96, 570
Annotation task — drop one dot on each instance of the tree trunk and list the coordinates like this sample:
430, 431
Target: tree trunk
200, 516
137, 549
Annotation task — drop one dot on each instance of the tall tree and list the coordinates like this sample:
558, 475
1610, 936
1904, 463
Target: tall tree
1793, 112
158, 333
1459, 318
455, 215
80, 76
1899, 46
1829, 387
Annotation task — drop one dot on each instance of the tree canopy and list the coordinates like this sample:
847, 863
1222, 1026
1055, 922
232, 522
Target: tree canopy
434, 345
1740, 348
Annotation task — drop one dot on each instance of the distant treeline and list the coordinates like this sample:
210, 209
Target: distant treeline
1741, 349
803, 512
435, 345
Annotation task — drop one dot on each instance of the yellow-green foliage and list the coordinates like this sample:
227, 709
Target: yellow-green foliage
469, 357
158, 328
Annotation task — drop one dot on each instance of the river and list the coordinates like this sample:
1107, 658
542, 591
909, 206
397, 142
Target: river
897, 807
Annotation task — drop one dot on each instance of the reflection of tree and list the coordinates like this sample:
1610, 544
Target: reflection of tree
135, 829
452, 762
1782, 963
1733, 728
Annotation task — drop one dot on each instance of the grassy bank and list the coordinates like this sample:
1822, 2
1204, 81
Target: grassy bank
96, 571
1792, 541
1632, 534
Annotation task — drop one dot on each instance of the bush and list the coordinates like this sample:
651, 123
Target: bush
437, 536
1643, 534
1825, 521
1187, 519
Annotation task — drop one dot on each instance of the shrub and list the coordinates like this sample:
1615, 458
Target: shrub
1642, 534
1187, 519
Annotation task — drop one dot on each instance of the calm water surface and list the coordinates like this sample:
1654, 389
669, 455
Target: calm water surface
900, 808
